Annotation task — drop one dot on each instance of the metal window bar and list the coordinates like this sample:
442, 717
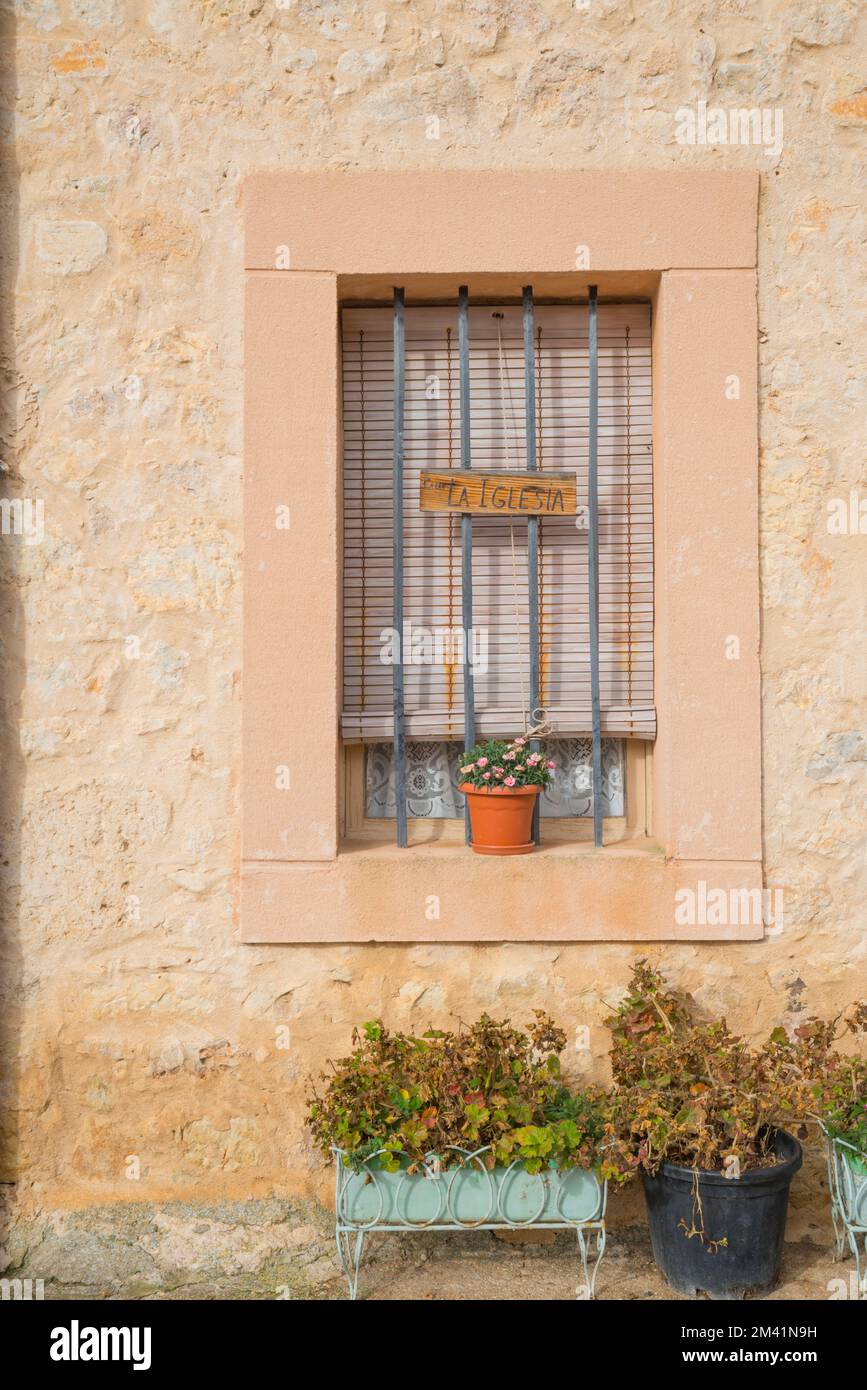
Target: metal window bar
532, 522
593, 563
466, 534
397, 566
467, 545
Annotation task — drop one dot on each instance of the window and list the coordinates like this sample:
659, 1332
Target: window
685, 240
432, 566
432, 780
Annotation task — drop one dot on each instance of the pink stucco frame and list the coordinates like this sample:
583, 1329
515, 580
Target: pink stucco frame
688, 239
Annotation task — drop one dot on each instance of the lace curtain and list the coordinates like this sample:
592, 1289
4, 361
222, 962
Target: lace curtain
432, 779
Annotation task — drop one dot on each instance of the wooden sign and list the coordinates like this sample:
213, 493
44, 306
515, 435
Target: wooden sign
499, 494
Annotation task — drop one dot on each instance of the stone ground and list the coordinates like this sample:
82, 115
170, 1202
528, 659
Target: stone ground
285, 1250
497, 1271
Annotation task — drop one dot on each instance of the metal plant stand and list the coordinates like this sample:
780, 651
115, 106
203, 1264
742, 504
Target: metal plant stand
848, 1200
468, 1197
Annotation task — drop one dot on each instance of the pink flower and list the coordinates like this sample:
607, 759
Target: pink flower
508, 757
552, 765
519, 742
533, 759
486, 776
483, 762
509, 782
499, 771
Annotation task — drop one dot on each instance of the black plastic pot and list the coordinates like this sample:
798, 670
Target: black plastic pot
748, 1212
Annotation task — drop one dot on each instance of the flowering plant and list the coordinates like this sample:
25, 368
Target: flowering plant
499, 764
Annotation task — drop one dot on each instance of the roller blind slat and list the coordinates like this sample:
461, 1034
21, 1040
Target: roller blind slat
432, 581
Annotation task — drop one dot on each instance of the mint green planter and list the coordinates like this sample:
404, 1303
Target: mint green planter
468, 1198
858, 1164
847, 1179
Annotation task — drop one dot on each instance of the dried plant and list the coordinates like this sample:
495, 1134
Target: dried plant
685, 1090
425, 1098
693, 1093
841, 1089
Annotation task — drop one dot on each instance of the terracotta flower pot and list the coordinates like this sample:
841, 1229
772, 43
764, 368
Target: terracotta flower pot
501, 819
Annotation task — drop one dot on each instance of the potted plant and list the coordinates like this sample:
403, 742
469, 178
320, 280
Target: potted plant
841, 1092
501, 781
473, 1129
700, 1113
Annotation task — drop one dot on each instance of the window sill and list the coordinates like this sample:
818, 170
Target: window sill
441, 891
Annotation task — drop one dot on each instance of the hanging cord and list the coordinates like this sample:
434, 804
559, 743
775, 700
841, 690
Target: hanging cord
628, 528
450, 665
540, 433
505, 391
363, 523
538, 727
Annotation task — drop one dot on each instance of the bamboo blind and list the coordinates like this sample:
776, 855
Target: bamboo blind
432, 569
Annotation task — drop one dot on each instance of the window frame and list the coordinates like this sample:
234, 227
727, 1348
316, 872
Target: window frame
355, 825
688, 239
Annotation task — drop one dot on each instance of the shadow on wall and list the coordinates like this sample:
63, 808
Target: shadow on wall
11, 639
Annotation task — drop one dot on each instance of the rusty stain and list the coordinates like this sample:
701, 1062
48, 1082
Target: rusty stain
818, 569
852, 106
81, 57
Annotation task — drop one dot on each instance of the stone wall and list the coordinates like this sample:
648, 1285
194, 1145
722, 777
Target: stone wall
158, 1059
